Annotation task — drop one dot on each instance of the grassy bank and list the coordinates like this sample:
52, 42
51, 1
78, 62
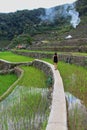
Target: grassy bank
33, 77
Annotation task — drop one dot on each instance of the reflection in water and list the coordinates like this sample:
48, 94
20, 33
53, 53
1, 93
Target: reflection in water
25, 108
72, 101
77, 113
21, 91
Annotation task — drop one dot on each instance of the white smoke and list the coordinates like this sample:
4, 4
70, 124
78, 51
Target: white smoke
75, 20
62, 11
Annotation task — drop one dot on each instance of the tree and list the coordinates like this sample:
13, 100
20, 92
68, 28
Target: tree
23, 40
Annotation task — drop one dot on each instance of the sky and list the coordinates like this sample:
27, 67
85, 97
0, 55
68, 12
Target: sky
7, 6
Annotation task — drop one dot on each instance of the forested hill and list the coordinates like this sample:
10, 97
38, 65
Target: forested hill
37, 20
30, 21
18, 22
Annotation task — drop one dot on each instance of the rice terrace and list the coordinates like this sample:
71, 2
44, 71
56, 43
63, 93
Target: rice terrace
33, 95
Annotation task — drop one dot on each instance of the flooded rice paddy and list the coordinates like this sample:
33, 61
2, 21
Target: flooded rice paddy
24, 109
77, 113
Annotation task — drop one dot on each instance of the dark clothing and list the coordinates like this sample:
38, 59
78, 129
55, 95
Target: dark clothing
55, 59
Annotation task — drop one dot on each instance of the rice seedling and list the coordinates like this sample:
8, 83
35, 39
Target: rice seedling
27, 109
33, 77
77, 114
77, 120
75, 80
6, 81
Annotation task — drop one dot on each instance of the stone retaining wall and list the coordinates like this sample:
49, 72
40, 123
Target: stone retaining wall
56, 48
69, 58
5, 65
43, 66
63, 48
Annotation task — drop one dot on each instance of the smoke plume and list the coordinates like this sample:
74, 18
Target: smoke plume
75, 20
62, 11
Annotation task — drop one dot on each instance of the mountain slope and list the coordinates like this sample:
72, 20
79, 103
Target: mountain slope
52, 24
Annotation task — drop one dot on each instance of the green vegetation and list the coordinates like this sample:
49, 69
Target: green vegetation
79, 54
9, 56
33, 78
74, 79
23, 39
75, 82
52, 52
6, 81
26, 109
31, 106
25, 50
81, 6
27, 103
64, 29
18, 22
4, 44
29, 22
77, 119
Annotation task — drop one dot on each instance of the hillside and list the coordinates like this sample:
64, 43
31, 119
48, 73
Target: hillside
51, 25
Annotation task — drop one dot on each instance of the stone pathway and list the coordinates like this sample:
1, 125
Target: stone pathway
58, 115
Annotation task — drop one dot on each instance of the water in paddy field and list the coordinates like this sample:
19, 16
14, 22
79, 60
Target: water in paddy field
77, 113
25, 108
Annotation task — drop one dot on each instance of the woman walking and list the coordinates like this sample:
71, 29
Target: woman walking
55, 60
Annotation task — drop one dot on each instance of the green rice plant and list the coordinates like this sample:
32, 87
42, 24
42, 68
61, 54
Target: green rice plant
9, 56
27, 110
33, 77
77, 119
74, 79
6, 81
